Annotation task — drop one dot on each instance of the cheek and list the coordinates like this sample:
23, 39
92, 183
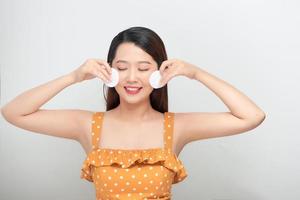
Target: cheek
146, 79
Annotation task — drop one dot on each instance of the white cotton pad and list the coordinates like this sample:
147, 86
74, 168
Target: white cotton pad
114, 78
154, 79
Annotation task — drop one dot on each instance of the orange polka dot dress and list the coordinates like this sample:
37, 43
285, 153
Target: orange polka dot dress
133, 173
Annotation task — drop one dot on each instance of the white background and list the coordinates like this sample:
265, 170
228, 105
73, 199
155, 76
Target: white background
253, 45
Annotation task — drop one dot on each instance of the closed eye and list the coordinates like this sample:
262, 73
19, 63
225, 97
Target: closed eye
139, 69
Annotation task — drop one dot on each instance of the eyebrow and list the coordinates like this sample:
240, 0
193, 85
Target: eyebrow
142, 61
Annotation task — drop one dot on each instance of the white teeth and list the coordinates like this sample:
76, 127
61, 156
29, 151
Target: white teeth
132, 89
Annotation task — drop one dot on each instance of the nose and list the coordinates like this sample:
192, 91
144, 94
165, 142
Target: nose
131, 75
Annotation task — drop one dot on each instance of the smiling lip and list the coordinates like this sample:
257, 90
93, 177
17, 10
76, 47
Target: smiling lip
135, 91
132, 87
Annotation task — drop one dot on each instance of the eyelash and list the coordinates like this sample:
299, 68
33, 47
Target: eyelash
140, 70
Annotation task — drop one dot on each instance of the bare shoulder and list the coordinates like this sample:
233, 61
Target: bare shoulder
177, 133
64, 123
86, 117
193, 126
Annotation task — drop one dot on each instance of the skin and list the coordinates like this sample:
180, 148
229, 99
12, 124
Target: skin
134, 108
24, 111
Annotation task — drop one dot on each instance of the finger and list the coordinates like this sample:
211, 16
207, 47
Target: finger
100, 73
104, 63
104, 73
164, 64
103, 69
166, 78
163, 80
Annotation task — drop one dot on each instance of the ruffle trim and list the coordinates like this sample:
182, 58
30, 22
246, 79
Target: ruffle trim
127, 158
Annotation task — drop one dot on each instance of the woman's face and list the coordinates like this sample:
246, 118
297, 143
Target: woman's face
135, 67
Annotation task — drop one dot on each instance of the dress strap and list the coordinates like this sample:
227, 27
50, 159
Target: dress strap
96, 128
168, 130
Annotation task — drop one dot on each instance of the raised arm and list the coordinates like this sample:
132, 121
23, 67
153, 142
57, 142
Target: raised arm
243, 114
24, 110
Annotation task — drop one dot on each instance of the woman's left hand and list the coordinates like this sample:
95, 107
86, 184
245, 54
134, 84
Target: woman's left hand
174, 67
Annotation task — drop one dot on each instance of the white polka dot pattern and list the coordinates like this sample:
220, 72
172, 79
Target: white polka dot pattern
133, 174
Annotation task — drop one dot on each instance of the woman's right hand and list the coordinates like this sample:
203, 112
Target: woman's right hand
92, 68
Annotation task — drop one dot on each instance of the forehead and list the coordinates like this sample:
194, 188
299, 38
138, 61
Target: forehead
130, 53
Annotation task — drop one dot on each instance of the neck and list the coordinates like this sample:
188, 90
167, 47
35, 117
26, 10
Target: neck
134, 112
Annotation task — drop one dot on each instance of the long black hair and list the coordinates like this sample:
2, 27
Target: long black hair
152, 44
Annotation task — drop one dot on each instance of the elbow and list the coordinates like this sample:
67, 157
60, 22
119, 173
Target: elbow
6, 114
257, 119
261, 116
3, 113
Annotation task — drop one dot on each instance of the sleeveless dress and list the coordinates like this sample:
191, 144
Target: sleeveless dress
133, 173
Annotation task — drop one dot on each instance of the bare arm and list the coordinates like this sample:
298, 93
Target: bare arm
24, 110
31, 100
243, 116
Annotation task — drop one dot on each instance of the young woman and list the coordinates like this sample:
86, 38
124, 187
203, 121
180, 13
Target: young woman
133, 147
